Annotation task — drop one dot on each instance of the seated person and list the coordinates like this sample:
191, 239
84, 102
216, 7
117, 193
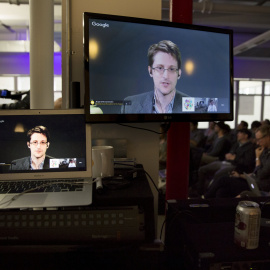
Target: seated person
216, 152
266, 122
220, 145
242, 125
210, 135
196, 135
240, 158
38, 142
254, 126
232, 186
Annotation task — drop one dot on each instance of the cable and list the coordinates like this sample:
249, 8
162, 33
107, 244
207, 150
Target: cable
165, 128
162, 227
139, 169
149, 130
152, 181
174, 217
158, 191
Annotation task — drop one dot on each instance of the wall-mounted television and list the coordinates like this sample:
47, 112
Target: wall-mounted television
141, 70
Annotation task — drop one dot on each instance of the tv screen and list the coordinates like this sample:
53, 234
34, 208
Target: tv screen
140, 70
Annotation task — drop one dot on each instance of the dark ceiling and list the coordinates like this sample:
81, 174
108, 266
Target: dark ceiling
249, 20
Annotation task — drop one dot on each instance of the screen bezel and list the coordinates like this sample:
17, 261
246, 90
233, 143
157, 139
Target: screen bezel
168, 117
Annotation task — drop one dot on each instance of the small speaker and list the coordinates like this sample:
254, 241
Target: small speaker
74, 95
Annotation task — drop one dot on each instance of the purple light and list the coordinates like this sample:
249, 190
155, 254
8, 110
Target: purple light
19, 63
58, 63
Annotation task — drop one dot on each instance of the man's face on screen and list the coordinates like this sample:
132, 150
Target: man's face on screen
165, 73
38, 145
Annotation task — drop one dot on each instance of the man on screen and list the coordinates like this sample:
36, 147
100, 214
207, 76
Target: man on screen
38, 141
164, 66
212, 107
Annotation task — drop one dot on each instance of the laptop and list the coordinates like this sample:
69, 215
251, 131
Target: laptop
252, 183
67, 147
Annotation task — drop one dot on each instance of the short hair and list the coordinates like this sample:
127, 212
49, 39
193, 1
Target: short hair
165, 46
255, 124
266, 121
264, 129
246, 131
195, 123
224, 127
244, 124
38, 129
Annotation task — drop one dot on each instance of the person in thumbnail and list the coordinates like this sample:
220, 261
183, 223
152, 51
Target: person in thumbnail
38, 142
164, 66
212, 107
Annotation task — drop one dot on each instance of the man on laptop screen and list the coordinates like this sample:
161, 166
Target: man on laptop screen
45, 159
38, 141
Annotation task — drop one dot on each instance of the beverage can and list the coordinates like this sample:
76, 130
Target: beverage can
247, 224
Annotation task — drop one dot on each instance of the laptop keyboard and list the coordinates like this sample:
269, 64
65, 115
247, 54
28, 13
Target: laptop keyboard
63, 185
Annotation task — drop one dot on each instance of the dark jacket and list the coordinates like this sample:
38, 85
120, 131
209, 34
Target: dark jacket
143, 103
245, 157
263, 171
23, 164
220, 147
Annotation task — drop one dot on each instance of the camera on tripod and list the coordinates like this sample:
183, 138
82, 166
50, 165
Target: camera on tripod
22, 103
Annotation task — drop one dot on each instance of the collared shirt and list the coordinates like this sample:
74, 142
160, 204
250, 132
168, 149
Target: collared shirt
212, 108
40, 167
169, 107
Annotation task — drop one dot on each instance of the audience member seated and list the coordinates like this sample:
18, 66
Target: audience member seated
210, 135
217, 151
229, 187
197, 141
220, 146
240, 158
266, 122
254, 126
197, 138
241, 125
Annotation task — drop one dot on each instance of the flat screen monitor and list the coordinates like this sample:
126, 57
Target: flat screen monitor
141, 70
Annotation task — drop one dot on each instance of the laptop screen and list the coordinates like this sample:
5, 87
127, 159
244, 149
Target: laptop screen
43, 142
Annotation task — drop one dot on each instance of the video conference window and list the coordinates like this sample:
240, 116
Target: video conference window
42, 142
143, 68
